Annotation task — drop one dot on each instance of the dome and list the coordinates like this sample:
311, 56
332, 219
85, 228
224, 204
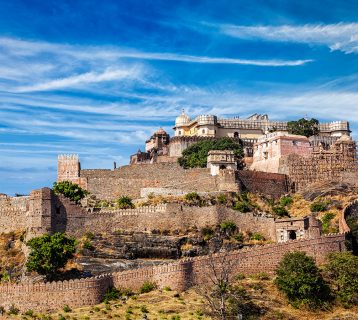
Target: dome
182, 119
160, 131
345, 138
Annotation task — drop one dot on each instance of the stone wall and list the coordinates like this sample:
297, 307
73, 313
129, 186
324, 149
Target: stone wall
75, 220
129, 180
338, 163
271, 184
179, 275
13, 213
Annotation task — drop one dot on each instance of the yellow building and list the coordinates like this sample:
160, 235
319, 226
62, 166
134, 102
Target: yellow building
246, 129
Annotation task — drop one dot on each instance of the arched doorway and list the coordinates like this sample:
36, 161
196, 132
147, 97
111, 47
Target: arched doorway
222, 167
292, 235
236, 134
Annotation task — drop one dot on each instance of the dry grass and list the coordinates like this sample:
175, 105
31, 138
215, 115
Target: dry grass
12, 258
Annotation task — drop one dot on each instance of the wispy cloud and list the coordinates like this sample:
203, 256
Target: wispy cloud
83, 79
339, 36
112, 53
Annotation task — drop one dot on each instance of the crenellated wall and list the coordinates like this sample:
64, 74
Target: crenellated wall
179, 275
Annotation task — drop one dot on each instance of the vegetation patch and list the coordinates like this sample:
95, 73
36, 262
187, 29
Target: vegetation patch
70, 190
195, 156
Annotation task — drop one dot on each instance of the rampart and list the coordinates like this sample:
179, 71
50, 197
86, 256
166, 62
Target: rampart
13, 213
129, 180
66, 216
179, 275
339, 163
272, 184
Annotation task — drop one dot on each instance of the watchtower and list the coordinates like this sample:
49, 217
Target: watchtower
221, 159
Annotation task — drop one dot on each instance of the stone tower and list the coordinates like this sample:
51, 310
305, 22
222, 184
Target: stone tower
69, 169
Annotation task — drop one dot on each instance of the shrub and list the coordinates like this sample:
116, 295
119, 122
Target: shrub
144, 309
88, 245
239, 237
286, 201
242, 206
70, 190
342, 272
13, 310
207, 233
167, 289
66, 308
196, 155
257, 236
125, 202
111, 294
298, 278
222, 198
147, 286
192, 197
318, 206
240, 276
29, 313
50, 253
261, 276
326, 222
228, 227
280, 211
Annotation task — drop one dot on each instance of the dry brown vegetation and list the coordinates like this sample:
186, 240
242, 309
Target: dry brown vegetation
12, 259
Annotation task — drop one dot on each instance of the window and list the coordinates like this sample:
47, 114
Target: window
179, 132
294, 143
236, 134
203, 131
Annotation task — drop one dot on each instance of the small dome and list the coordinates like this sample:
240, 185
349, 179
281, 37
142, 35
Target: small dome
160, 131
344, 137
182, 119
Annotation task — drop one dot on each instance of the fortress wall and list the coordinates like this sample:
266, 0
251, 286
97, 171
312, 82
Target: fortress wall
325, 166
178, 275
13, 213
272, 184
129, 180
55, 295
76, 221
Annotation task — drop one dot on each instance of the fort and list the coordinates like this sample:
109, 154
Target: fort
276, 163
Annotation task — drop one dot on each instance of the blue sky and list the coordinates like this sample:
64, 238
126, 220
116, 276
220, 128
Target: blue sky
96, 78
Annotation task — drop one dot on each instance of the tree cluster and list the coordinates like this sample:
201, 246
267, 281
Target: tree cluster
303, 127
49, 253
196, 155
70, 190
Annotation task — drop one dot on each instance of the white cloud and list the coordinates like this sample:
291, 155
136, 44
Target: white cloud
85, 78
113, 53
339, 36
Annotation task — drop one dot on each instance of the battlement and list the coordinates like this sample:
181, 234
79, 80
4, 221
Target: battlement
179, 275
206, 120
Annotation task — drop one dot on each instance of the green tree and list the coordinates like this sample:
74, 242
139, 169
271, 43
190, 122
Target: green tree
196, 155
49, 253
125, 202
298, 278
70, 190
342, 273
304, 127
